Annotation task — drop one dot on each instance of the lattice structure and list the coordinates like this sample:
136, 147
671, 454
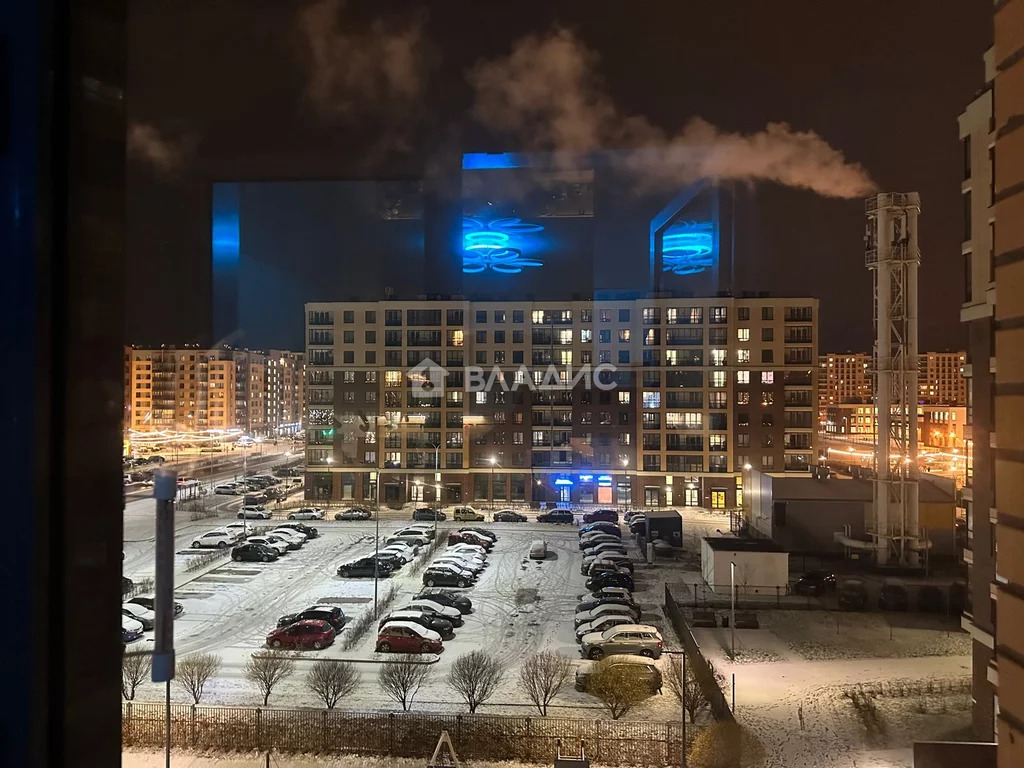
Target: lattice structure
892, 254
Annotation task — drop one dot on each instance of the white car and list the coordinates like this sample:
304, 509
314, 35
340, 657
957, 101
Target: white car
404, 554
254, 512
605, 558
307, 513
422, 604
463, 557
607, 609
275, 543
610, 547
427, 529
417, 539
602, 623
143, 615
130, 624
215, 539
458, 562
289, 535
475, 549
239, 529
597, 537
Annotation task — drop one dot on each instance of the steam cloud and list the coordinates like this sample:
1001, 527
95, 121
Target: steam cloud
164, 154
546, 93
356, 71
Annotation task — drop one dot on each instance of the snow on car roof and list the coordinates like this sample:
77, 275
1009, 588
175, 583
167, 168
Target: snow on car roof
421, 631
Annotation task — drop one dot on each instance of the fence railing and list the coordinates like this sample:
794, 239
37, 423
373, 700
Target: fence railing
402, 734
694, 657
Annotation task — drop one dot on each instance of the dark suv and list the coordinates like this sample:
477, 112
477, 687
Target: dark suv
601, 516
426, 513
329, 613
815, 583
556, 516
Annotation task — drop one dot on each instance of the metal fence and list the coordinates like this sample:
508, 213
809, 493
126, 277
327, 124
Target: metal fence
694, 657
402, 734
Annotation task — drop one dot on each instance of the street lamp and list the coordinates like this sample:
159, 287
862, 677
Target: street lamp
494, 461
732, 609
625, 469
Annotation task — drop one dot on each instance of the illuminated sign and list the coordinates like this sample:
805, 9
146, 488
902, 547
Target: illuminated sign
496, 245
586, 478
687, 247
604, 479
562, 481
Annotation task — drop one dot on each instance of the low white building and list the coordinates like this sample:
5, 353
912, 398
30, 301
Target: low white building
762, 566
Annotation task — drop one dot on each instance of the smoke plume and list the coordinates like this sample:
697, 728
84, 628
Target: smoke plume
546, 94
166, 155
354, 71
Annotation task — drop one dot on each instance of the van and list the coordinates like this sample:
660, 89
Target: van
538, 550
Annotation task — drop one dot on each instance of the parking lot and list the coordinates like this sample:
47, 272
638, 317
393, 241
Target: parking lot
520, 606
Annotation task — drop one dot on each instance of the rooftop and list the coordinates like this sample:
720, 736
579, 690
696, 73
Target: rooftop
733, 544
845, 489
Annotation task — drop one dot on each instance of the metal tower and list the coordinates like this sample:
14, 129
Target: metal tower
892, 253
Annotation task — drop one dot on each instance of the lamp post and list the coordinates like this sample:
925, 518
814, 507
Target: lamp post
625, 469
682, 699
732, 609
494, 461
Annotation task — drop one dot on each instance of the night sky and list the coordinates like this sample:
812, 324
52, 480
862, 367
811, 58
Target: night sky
236, 90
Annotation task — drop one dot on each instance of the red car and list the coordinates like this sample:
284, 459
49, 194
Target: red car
406, 637
470, 537
309, 633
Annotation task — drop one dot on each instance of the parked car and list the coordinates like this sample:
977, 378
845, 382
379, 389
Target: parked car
556, 516
457, 570
487, 533
150, 604
640, 667
508, 516
391, 559
601, 515
402, 551
593, 539
467, 514
308, 633
598, 567
462, 546
354, 513
454, 615
307, 531
591, 603
608, 609
332, 614
625, 638
595, 529
457, 561
131, 625
605, 546
430, 621
470, 537
276, 543
142, 615
413, 538
255, 500
129, 635
364, 566
538, 549
406, 637
254, 512
611, 592
816, 582
307, 513
254, 552
602, 623
605, 561
852, 595
289, 534
426, 513
450, 599
893, 597
215, 539
227, 490
609, 580
430, 531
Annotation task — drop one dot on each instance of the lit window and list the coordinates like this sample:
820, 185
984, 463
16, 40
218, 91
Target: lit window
742, 377
624, 335
623, 397
767, 377
742, 334
586, 335
718, 378
652, 399
742, 355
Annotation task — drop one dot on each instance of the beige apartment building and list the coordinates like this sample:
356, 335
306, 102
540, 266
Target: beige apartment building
186, 388
1007, 453
940, 378
843, 378
700, 388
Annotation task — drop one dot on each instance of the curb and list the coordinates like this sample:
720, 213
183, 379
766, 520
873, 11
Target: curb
430, 658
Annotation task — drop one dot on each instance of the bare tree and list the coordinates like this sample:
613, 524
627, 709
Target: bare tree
193, 672
401, 679
688, 690
618, 688
267, 670
542, 676
332, 680
475, 676
725, 745
134, 669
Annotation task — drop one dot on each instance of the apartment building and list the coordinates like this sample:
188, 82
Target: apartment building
186, 388
1007, 454
940, 378
843, 378
682, 394
977, 134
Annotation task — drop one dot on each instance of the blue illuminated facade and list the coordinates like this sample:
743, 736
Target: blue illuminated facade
687, 247
496, 245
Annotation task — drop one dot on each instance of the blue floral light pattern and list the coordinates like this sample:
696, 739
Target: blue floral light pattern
687, 247
491, 245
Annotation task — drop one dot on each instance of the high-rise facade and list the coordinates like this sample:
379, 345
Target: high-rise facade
843, 378
684, 393
1007, 454
977, 313
940, 378
190, 389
